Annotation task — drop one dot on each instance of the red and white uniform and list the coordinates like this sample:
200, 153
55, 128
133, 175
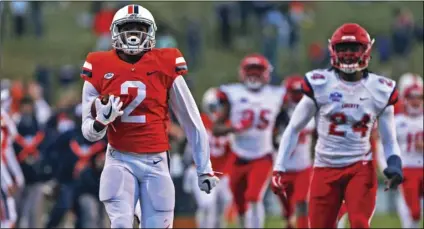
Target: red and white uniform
252, 148
345, 113
298, 174
136, 157
11, 173
220, 148
409, 132
263, 107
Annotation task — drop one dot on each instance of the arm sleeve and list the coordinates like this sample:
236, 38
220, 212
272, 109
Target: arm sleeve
387, 130
185, 108
89, 93
302, 114
42, 111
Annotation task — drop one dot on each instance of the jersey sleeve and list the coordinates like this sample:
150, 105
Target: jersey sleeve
222, 96
394, 97
87, 71
180, 64
307, 88
175, 62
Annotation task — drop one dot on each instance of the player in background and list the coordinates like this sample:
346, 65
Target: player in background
12, 177
409, 128
211, 208
252, 107
142, 82
346, 100
405, 81
297, 176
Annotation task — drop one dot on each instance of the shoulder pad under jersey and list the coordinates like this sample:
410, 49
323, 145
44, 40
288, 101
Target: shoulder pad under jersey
90, 66
382, 88
317, 77
172, 61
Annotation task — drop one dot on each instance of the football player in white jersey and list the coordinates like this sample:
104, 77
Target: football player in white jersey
297, 176
406, 80
346, 100
409, 127
252, 107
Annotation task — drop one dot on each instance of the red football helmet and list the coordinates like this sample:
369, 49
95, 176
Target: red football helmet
413, 96
293, 84
255, 71
350, 48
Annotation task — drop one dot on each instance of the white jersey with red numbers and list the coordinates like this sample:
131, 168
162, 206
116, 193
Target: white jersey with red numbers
301, 158
409, 131
263, 106
346, 114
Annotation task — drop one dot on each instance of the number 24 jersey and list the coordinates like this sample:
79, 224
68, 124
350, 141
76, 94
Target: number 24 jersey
346, 114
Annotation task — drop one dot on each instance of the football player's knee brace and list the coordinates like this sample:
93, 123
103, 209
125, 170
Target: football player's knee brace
302, 208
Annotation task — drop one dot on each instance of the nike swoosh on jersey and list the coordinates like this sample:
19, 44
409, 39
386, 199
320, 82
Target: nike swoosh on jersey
150, 73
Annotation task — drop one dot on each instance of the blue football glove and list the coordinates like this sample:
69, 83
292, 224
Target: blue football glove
393, 172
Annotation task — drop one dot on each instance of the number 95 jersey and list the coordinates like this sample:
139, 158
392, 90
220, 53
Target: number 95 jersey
262, 108
346, 114
143, 88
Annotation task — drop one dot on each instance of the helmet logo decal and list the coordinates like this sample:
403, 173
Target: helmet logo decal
132, 9
348, 38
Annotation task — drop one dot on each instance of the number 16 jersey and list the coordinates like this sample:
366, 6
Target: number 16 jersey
346, 113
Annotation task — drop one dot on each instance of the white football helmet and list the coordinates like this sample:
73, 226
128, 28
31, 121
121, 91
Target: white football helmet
210, 103
133, 42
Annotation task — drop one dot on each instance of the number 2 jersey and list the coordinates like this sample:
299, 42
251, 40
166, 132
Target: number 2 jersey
144, 88
409, 131
346, 114
263, 107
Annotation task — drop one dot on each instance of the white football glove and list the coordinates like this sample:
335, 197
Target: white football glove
109, 112
207, 182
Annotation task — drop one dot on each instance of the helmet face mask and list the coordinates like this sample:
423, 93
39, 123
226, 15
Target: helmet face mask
133, 30
210, 104
414, 100
350, 48
253, 78
255, 71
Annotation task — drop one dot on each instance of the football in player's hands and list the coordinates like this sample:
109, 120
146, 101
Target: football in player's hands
104, 99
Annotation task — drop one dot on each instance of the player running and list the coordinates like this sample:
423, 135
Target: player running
142, 82
252, 107
298, 166
346, 100
409, 127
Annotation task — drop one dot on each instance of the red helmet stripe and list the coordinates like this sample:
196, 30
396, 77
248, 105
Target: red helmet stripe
130, 9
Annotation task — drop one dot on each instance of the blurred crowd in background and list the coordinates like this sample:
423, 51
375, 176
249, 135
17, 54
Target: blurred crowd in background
60, 171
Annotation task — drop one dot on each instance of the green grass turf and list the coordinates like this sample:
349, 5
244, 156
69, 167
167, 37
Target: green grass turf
67, 43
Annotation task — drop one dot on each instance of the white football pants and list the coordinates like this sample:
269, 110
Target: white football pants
129, 177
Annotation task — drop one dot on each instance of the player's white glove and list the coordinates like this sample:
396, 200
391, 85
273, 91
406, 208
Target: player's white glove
107, 113
207, 182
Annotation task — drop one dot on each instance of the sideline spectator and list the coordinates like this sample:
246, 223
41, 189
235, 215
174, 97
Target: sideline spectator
37, 18
19, 10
